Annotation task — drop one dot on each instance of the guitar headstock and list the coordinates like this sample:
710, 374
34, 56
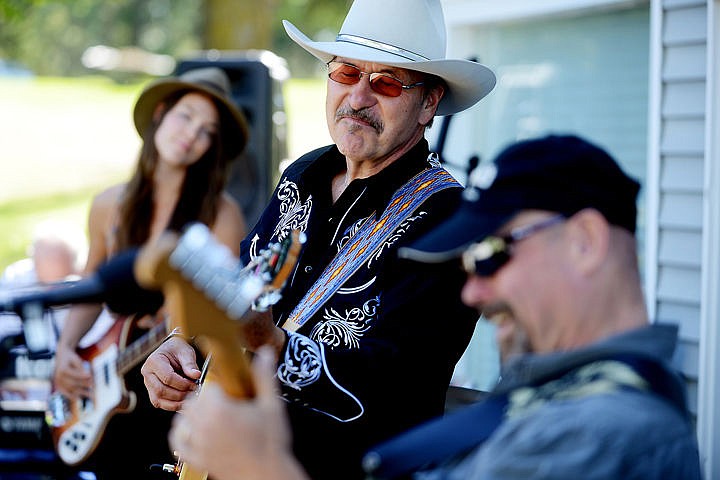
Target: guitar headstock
207, 291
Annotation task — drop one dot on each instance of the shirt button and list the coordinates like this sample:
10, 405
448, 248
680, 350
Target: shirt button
308, 269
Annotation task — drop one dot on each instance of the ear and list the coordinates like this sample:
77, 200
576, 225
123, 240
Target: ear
589, 240
430, 104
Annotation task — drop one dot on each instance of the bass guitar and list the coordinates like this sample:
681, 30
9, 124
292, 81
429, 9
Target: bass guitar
206, 296
76, 426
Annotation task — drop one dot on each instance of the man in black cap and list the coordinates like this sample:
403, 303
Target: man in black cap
546, 235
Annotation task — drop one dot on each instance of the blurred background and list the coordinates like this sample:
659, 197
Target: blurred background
638, 77
70, 71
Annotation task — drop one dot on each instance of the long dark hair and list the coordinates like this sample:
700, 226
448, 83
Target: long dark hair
201, 191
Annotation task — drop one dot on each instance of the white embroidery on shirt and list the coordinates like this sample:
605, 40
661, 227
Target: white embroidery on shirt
359, 288
350, 232
399, 232
345, 330
302, 364
294, 214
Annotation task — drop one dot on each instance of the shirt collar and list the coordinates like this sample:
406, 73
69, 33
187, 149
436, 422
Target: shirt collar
383, 185
655, 341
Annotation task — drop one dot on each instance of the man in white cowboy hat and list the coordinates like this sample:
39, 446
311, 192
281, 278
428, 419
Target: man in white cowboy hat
366, 343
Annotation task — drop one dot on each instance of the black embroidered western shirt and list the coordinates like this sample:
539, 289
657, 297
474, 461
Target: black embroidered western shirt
377, 357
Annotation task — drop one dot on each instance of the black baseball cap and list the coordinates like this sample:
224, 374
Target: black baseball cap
557, 173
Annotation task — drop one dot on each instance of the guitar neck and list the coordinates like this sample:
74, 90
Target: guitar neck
140, 348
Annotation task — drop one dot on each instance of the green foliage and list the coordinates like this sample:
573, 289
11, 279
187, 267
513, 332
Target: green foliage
318, 19
20, 217
51, 36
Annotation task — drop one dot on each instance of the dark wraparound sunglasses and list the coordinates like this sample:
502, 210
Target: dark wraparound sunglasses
382, 83
486, 257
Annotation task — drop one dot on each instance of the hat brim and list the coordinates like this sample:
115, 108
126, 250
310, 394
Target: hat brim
468, 82
451, 238
235, 139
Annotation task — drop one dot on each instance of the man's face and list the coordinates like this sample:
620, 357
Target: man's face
523, 296
369, 126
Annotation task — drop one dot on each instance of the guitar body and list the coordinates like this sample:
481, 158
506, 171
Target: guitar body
77, 426
206, 299
187, 472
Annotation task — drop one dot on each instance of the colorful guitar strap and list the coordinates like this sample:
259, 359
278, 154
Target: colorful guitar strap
366, 241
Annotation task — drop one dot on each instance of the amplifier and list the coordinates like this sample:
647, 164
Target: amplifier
22, 413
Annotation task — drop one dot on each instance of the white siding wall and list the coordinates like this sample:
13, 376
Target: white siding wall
681, 164
709, 330
679, 152
685, 155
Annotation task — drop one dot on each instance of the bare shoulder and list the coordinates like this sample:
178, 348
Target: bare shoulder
229, 209
229, 226
105, 204
110, 197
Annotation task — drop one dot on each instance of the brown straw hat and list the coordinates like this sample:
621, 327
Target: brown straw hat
211, 81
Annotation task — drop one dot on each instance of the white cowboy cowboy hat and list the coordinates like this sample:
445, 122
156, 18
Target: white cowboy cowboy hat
406, 34
211, 81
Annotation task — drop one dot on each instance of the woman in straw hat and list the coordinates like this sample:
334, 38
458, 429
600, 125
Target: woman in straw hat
191, 132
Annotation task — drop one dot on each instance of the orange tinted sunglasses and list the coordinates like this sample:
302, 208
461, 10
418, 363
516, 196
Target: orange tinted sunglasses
382, 83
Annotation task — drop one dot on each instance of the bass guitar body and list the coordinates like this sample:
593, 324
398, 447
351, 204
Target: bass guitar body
78, 425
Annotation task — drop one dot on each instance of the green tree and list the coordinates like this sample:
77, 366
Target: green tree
50, 36
318, 19
233, 25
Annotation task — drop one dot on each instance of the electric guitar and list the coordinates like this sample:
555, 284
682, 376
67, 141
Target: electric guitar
76, 426
206, 299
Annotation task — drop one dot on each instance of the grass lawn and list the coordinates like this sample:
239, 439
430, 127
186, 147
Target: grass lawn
64, 140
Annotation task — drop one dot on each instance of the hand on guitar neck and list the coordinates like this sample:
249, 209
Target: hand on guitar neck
210, 300
171, 372
202, 309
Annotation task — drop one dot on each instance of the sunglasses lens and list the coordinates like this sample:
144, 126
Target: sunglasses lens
385, 85
486, 258
342, 73
350, 75
488, 266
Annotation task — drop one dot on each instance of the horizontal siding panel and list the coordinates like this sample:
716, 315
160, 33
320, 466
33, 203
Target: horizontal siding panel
683, 137
682, 174
681, 248
685, 316
685, 25
670, 4
685, 62
678, 284
681, 210
684, 99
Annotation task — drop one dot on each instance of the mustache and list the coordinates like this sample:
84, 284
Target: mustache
363, 115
